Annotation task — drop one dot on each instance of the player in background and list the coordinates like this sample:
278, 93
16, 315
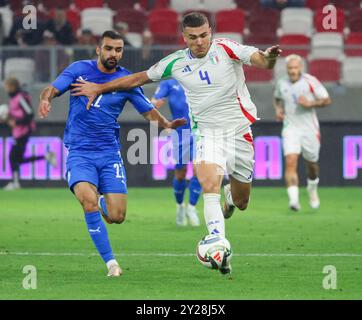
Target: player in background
183, 151
21, 120
296, 97
221, 111
94, 162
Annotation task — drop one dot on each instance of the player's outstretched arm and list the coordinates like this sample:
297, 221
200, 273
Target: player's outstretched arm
266, 59
154, 116
46, 96
92, 90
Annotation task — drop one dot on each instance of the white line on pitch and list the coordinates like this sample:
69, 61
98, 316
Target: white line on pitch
160, 254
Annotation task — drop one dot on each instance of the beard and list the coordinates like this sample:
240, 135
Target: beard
109, 64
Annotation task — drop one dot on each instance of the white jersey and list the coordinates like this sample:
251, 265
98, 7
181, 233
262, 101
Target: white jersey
296, 116
214, 85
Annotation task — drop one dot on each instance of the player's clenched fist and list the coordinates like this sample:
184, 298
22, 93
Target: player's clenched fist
44, 108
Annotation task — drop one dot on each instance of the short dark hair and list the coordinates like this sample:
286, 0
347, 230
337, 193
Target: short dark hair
194, 20
110, 34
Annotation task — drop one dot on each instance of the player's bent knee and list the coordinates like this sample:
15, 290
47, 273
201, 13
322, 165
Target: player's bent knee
89, 206
242, 204
119, 216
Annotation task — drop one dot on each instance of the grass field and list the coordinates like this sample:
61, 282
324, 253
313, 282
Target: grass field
278, 254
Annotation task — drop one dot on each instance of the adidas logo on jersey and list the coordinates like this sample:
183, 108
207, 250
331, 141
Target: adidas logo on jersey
187, 69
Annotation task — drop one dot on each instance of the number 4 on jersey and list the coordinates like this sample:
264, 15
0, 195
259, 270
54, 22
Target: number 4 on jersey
204, 76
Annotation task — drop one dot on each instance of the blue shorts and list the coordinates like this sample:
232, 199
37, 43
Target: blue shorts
182, 148
105, 170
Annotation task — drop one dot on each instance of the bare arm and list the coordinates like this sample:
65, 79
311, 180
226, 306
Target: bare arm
266, 59
46, 96
317, 103
279, 109
155, 116
92, 90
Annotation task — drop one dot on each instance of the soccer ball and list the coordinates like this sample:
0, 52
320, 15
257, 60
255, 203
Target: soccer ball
214, 251
4, 112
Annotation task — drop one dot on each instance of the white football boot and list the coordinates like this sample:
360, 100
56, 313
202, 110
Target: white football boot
228, 208
114, 270
181, 215
192, 217
13, 185
313, 193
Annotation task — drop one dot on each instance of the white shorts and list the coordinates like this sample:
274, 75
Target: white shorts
234, 155
305, 143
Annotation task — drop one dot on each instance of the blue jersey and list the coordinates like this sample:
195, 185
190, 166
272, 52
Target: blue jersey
172, 90
96, 129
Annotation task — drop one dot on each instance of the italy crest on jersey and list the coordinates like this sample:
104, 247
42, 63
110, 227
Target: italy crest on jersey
214, 58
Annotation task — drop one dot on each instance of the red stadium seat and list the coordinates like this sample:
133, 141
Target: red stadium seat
135, 19
73, 17
261, 39
163, 13
266, 21
81, 4
327, 70
16, 5
253, 74
118, 5
347, 4
316, 4
50, 4
295, 43
148, 5
249, 5
353, 44
355, 21
164, 26
319, 16
230, 20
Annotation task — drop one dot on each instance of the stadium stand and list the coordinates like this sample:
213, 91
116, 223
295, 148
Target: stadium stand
327, 45
183, 5
136, 20
20, 68
295, 43
97, 20
351, 71
217, 5
326, 70
230, 21
115, 4
164, 25
81, 5
353, 44
297, 21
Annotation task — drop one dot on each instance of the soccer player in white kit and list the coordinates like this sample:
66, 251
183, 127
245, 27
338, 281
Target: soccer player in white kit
221, 111
295, 98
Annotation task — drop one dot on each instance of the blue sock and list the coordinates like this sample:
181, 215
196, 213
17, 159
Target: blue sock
99, 235
195, 190
179, 188
102, 202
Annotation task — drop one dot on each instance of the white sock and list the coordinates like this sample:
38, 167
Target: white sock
214, 217
293, 193
229, 199
312, 184
16, 177
111, 262
191, 206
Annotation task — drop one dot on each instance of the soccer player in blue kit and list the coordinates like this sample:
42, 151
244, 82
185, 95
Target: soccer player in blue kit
94, 162
183, 151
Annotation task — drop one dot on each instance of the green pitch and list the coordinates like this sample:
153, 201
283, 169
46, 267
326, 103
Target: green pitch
278, 254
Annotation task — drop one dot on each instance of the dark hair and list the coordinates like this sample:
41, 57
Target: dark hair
194, 20
110, 34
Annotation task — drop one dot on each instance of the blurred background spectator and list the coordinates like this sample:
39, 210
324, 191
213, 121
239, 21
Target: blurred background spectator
61, 28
